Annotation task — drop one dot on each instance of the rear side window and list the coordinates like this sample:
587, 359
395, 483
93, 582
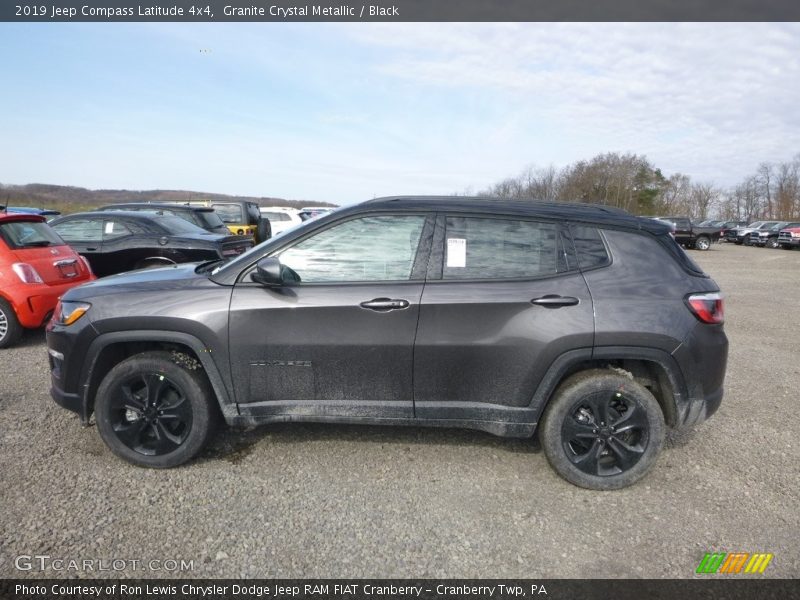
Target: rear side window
81, 230
480, 248
229, 213
589, 245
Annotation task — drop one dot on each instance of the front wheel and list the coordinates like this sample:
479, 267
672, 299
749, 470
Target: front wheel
602, 431
702, 243
154, 412
773, 243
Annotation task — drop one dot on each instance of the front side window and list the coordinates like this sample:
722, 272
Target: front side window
81, 230
477, 248
380, 248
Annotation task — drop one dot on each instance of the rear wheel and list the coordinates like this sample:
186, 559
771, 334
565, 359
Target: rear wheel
702, 243
10, 329
154, 412
602, 431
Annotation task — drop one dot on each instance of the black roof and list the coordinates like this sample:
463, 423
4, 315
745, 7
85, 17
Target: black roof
134, 215
569, 211
156, 206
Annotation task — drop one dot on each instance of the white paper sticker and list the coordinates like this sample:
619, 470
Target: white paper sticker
456, 252
110, 227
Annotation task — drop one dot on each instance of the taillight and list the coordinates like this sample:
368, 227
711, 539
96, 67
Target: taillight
708, 308
86, 264
26, 273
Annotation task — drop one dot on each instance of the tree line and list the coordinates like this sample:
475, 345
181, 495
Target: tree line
632, 182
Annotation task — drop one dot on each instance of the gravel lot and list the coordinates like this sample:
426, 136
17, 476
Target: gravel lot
346, 501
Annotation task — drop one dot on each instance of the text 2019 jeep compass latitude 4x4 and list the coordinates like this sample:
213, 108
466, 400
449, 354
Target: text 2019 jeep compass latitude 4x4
502, 316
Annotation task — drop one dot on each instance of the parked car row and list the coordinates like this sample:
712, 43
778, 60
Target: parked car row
41, 261
769, 234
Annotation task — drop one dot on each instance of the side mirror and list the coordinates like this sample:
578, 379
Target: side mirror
268, 272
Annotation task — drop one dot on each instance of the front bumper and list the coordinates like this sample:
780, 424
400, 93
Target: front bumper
789, 242
67, 346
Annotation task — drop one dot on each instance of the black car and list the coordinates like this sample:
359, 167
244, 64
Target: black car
690, 235
204, 217
119, 241
583, 322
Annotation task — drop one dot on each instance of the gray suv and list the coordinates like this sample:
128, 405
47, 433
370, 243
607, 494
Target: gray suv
583, 322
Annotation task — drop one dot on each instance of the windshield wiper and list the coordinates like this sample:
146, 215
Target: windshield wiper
39, 244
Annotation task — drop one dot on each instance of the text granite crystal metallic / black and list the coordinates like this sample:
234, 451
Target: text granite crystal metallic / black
584, 323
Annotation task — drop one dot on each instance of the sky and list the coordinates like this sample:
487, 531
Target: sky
345, 112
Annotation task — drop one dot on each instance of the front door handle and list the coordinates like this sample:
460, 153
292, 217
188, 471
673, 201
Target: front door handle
555, 301
384, 304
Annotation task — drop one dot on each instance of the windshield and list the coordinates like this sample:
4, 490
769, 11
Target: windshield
29, 234
767, 224
210, 218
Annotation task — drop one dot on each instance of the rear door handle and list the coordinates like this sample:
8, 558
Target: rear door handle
555, 301
384, 304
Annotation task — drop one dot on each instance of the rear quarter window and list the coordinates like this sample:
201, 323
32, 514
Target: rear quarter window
591, 249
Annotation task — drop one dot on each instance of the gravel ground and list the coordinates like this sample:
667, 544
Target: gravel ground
347, 501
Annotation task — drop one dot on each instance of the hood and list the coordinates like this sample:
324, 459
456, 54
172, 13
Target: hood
173, 277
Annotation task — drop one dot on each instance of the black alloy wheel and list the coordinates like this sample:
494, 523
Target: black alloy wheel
602, 430
605, 433
156, 409
150, 414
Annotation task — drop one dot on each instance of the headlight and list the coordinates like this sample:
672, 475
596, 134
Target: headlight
67, 313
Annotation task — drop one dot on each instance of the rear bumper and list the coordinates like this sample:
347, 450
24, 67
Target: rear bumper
34, 304
703, 358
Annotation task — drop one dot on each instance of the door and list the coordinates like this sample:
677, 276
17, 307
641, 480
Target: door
503, 300
340, 341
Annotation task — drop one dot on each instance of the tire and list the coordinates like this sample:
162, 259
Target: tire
10, 329
601, 457
138, 431
263, 230
702, 243
772, 243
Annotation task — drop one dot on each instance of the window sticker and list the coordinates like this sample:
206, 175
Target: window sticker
110, 227
457, 252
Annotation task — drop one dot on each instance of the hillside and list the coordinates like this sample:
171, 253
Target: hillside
69, 199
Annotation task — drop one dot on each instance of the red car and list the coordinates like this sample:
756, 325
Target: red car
36, 268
